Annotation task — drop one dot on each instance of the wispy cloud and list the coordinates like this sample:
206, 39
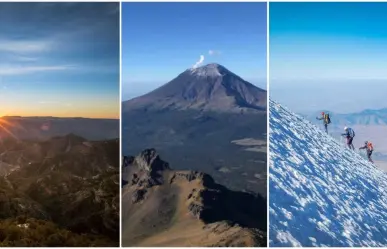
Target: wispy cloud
20, 58
47, 102
18, 70
55, 103
214, 52
25, 46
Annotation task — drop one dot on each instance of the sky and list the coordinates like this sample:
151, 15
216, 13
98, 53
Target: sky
59, 59
328, 55
161, 40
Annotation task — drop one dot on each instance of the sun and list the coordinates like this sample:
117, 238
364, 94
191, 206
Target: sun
5, 127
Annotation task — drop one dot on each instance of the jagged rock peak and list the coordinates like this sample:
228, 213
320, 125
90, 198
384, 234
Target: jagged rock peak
127, 160
150, 161
189, 176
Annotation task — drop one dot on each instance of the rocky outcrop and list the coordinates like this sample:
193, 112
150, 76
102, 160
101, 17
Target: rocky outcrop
206, 200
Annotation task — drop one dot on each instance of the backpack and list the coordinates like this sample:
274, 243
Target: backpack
327, 118
369, 146
351, 132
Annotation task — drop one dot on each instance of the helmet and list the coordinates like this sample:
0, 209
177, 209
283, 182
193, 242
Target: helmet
322, 113
345, 128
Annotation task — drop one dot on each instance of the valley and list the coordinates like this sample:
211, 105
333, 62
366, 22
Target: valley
65, 184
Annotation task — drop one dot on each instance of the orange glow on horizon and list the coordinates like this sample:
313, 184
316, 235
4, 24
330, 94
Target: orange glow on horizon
97, 114
86, 108
64, 116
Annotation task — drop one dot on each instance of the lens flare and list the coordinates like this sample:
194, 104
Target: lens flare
5, 127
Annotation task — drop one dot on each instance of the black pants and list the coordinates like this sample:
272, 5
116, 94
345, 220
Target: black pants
349, 143
369, 153
326, 128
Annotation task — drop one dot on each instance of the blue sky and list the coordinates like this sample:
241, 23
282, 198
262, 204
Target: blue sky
328, 55
161, 40
59, 59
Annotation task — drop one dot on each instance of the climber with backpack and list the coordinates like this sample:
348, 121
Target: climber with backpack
370, 148
326, 120
349, 134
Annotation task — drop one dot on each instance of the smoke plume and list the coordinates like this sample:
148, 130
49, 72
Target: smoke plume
199, 62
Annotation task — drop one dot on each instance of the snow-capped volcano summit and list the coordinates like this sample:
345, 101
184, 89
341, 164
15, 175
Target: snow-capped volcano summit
210, 70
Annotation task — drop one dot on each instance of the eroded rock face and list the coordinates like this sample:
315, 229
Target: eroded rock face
151, 180
127, 160
150, 161
196, 209
138, 195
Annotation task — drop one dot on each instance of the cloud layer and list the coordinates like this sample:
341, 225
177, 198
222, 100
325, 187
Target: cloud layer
42, 37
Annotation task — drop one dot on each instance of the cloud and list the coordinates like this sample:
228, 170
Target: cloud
24, 58
57, 35
55, 103
22, 47
214, 52
197, 64
47, 102
17, 70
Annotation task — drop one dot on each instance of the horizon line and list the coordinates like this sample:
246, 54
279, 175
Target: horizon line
58, 117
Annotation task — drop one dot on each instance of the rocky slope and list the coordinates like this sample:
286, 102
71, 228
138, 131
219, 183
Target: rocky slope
165, 207
67, 180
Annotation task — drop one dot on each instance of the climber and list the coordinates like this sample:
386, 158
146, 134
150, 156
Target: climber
350, 134
368, 146
326, 120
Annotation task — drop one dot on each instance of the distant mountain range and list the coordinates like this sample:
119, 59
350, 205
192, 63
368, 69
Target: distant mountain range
370, 125
42, 128
194, 121
165, 207
366, 117
67, 187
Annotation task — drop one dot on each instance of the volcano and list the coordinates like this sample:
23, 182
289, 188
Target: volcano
207, 119
207, 88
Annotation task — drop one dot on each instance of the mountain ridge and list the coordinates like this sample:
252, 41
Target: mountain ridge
64, 181
188, 198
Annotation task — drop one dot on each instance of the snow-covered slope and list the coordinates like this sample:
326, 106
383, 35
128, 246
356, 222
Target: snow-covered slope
321, 194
